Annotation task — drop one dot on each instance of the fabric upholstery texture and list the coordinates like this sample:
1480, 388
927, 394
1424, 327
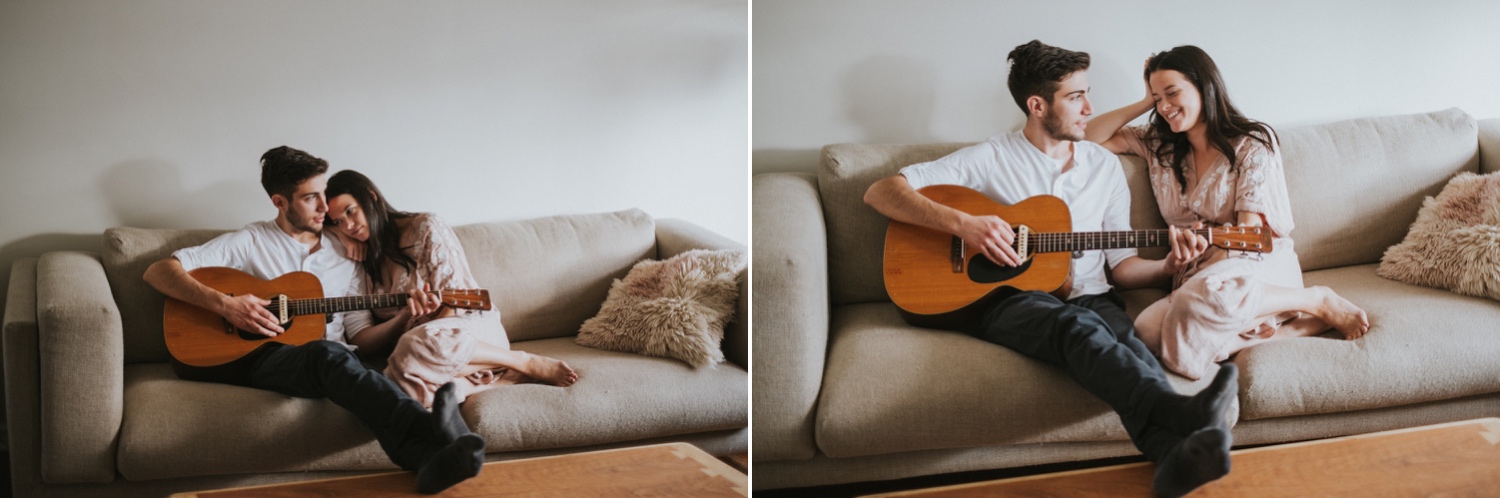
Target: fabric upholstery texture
790, 264
77, 317
1424, 345
671, 308
548, 275
920, 389
1356, 185
1455, 242
1489, 145
618, 397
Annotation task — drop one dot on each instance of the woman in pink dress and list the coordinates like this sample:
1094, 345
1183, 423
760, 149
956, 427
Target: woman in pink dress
429, 344
1210, 165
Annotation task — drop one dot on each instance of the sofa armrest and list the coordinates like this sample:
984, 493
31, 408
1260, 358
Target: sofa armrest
675, 237
21, 377
1489, 145
789, 274
80, 344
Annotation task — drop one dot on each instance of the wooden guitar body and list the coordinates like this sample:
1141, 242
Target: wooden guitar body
938, 281
929, 280
201, 338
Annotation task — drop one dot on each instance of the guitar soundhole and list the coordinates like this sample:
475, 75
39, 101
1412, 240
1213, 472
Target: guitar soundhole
984, 271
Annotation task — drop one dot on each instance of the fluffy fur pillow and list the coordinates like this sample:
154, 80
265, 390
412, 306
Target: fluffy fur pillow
675, 308
1455, 242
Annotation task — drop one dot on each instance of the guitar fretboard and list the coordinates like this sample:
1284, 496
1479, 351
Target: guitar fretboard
298, 307
1085, 241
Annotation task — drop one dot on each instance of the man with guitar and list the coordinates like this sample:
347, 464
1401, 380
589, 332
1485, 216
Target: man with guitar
1086, 330
436, 444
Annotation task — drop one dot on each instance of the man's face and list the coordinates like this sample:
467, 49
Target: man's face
307, 207
1067, 115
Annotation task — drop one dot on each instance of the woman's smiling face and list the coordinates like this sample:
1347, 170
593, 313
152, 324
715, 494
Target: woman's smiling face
1177, 100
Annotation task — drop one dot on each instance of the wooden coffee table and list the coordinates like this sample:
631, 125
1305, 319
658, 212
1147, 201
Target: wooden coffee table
1453, 459
675, 469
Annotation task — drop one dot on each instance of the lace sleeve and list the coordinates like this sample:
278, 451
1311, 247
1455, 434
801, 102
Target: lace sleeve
440, 257
1261, 186
1135, 141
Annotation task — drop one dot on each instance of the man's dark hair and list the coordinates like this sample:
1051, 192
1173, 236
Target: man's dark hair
1036, 68
283, 168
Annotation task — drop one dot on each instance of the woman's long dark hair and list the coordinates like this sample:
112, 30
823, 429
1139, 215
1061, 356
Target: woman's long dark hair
384, 243
1222, 121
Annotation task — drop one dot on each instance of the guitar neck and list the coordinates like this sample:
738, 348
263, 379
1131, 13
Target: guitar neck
298, 307
1086, 241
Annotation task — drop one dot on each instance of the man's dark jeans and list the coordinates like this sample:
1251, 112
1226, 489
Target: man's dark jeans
327, 369
1092, 339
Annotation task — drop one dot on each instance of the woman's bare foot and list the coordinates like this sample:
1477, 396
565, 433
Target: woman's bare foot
1342, 314
1305, 325
549, 370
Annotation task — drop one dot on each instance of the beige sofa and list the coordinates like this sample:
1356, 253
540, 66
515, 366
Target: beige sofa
845, 391
95, 409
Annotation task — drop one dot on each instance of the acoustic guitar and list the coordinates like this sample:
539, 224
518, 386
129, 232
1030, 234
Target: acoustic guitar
937, 281
201, 338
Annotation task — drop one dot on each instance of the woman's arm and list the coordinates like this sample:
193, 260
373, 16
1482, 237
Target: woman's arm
1105, 129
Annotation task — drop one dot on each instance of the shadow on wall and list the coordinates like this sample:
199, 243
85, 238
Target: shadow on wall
150, 194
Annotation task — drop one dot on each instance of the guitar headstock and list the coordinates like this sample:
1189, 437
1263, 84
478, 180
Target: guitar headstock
1242, 238
469, 299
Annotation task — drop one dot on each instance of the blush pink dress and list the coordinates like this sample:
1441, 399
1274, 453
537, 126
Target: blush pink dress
1212, 310
434, 351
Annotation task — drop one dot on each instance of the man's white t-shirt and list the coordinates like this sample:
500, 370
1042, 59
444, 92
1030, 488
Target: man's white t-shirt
263, 250
1009, 169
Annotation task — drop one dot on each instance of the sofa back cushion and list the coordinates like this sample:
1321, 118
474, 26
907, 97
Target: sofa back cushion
1356, 185
546, 275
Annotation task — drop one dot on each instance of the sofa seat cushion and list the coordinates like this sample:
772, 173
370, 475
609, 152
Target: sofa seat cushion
890, 387
618, 397
178, 428
1424, 345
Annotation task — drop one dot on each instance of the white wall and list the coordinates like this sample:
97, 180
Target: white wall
903, 71
155, 113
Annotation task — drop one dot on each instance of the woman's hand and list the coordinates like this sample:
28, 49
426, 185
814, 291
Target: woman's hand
422, 302
1186, 246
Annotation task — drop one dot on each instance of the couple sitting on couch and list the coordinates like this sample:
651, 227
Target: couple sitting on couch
437, 356
1207, 164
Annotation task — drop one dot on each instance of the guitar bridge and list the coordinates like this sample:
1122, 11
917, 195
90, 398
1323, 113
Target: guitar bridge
1023, 234
956, 254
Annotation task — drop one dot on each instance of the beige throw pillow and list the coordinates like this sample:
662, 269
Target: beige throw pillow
1455, 242
674, 308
